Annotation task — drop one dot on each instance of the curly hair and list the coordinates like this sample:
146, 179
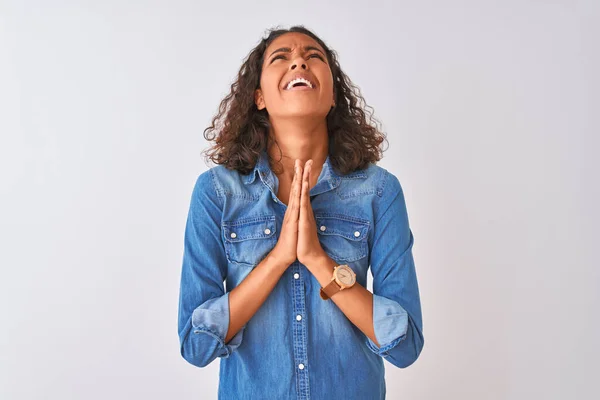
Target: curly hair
241, 131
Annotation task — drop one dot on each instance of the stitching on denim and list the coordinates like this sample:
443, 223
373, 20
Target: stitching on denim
214, 335
399, 193
345, 217
216, 187
382, 181
246, 220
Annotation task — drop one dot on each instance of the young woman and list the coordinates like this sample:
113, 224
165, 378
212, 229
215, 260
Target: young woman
291, 218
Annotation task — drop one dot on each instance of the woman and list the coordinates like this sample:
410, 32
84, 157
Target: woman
291, 218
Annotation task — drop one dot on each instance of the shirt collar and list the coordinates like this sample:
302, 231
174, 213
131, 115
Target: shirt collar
327, 174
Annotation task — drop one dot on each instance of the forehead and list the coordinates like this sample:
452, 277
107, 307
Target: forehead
293, 40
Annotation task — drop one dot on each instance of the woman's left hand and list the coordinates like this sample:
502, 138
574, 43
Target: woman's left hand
309, 248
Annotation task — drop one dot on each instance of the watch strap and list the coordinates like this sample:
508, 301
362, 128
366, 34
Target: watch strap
330, 289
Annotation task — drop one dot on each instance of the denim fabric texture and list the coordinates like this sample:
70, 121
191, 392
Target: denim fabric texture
297, 345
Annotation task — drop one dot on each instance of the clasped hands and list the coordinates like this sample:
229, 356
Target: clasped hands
298, 238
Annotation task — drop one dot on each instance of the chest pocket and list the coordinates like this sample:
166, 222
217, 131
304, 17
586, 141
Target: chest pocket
248, 240
343, 237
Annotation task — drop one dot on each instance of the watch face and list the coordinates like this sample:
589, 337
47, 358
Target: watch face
345, 275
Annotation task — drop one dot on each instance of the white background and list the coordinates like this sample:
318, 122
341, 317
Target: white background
491, 113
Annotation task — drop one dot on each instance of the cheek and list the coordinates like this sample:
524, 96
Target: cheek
270, 87
326, 81
270, 94
327, 91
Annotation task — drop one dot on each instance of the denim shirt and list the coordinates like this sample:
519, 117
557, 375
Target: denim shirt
297, 345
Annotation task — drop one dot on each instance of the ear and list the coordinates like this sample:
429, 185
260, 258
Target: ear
258, 99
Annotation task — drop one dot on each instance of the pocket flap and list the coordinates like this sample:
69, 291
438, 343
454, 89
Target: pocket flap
351, 228
258, 227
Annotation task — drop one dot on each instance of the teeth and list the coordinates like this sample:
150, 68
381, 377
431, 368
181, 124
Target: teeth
292, 83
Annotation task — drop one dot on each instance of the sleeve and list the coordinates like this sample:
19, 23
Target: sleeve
397, 319
203, 318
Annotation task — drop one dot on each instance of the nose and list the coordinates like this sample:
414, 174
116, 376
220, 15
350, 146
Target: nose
295, 64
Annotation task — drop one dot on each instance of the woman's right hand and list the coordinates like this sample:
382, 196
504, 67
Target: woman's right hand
285, 249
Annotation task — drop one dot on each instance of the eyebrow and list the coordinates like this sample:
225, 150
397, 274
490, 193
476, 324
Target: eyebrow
288, 50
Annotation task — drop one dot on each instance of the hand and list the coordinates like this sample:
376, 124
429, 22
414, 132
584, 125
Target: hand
285, 249
309, 248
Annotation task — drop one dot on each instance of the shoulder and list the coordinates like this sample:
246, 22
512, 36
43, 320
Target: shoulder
204, 188
388, 190
373, 181
382, 180
205, 181
223, 182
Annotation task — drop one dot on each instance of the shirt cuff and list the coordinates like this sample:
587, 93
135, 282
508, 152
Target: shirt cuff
212, 318
390, 322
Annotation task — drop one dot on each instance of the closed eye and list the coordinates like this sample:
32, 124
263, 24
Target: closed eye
314, 54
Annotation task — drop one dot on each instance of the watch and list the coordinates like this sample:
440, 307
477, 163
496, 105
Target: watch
343, 278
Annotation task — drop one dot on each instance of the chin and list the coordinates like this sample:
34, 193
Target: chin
299, 111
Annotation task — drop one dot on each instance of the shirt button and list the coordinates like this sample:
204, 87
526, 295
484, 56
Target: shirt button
322, 228
298, 317
233, 235
267, 231
301, 366
357, 234
296, 275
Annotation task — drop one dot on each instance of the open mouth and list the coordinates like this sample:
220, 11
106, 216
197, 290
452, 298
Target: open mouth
299, 84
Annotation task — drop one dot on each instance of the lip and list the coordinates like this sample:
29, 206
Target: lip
299, 88
303, 76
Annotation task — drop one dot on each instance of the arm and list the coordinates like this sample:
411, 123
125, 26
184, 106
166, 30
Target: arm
356, 302
211, 322
390, 317
397, 315
246, 298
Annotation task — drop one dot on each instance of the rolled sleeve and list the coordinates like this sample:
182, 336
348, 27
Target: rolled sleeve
212, 319
390, 321
203, 303
397, 319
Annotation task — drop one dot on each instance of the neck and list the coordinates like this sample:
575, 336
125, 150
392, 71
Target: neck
299, 141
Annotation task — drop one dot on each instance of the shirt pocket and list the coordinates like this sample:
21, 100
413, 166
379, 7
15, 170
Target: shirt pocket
343, 237
248, 240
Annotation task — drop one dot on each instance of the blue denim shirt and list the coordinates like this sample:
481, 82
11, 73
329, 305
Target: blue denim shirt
297, 345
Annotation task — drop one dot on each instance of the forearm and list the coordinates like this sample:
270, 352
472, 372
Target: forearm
356, 302
246, 298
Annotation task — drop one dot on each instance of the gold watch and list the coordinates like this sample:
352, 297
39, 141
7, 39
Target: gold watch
343, 278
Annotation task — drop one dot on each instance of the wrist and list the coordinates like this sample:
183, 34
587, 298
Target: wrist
322, 267
277, 263
318, 259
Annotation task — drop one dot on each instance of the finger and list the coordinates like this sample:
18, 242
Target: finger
293, 202
291, 194
309, 210
305, 199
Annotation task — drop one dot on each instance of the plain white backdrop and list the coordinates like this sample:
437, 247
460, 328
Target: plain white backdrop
491, 111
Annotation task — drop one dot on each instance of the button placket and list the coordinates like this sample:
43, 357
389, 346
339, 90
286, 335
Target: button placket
299, 333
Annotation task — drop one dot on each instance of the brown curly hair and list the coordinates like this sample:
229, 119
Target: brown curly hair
241, 131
